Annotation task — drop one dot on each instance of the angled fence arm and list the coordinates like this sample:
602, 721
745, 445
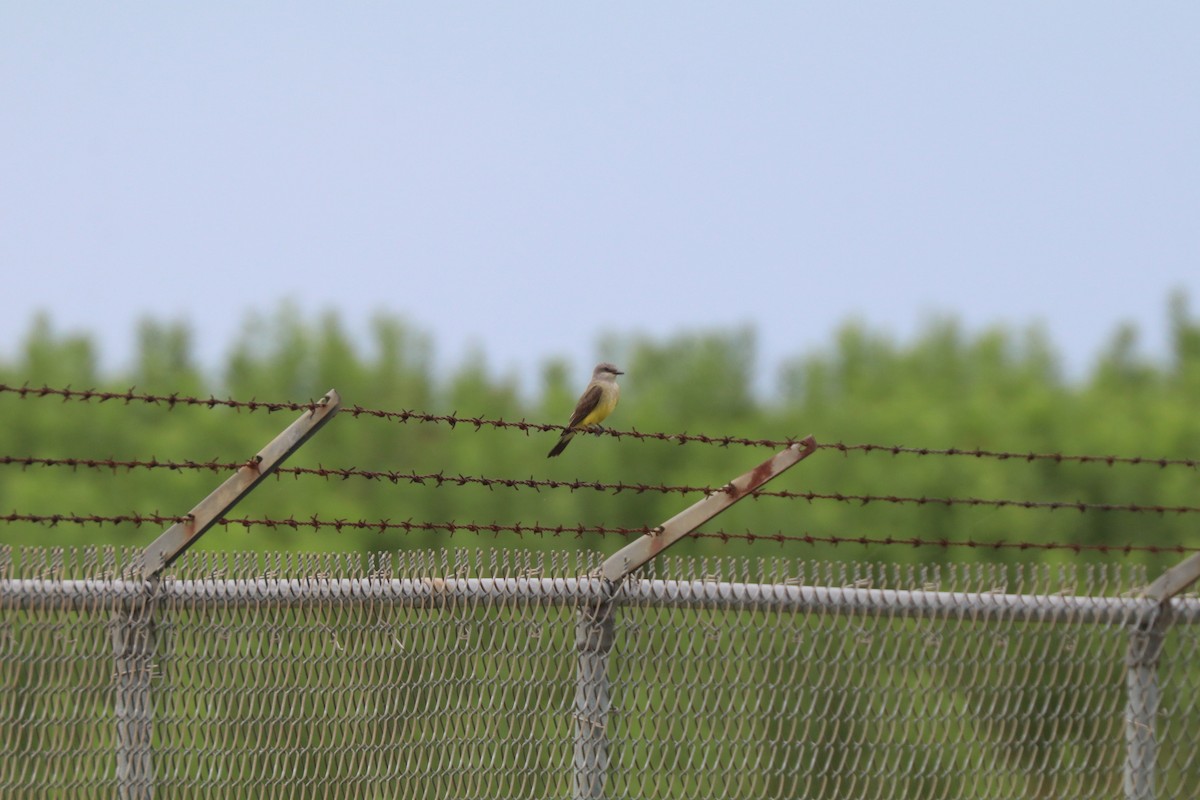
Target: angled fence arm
594, 626
640, 551
1175, 580
175, 541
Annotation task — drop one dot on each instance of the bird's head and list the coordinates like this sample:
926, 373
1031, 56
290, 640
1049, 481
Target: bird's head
606, 370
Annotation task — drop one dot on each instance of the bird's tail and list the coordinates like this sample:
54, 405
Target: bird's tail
562, 444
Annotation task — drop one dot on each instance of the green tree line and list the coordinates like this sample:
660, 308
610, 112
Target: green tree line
1000, 389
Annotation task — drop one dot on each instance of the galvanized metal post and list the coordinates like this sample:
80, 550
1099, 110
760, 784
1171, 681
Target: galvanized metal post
133, 652
593, 641
1141, 706
1141, 678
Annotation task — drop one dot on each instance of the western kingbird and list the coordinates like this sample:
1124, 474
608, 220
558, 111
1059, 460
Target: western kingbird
598, 400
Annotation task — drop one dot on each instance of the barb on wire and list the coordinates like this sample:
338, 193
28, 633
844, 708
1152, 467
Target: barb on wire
442, 479
520, 530
453, 420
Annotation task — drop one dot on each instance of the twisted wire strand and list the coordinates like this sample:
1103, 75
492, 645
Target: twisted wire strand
442, 479
453, 420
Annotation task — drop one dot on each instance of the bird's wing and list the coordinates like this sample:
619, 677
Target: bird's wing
587, 403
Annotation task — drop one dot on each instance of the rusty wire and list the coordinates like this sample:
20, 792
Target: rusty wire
1001, 455
453, 420
130, 396
441, 478
579, 530
115, 465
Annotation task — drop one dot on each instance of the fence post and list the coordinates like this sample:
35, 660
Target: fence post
1141, 704
594, 626
133, 651
1141, 678
593, 641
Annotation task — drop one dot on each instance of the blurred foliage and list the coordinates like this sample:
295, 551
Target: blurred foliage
1000, 389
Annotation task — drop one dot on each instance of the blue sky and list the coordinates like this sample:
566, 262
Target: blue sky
524, 177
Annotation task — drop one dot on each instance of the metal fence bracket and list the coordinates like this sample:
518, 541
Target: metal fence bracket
175, 541
640, 551
594, 627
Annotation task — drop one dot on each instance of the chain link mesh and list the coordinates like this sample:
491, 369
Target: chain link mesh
414, 676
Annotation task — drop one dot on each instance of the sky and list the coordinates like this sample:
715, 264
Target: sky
523, 178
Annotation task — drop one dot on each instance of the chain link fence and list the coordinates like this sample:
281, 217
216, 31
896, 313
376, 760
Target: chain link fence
511, 674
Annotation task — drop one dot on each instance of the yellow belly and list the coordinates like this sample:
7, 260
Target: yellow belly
609, 395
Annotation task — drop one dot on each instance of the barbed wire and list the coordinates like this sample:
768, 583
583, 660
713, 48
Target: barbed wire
131, 396
1001, 455
402, 416
520, 530
116, 465
440, 478
453, 420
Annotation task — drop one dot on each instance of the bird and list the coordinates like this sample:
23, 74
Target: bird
597, 402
